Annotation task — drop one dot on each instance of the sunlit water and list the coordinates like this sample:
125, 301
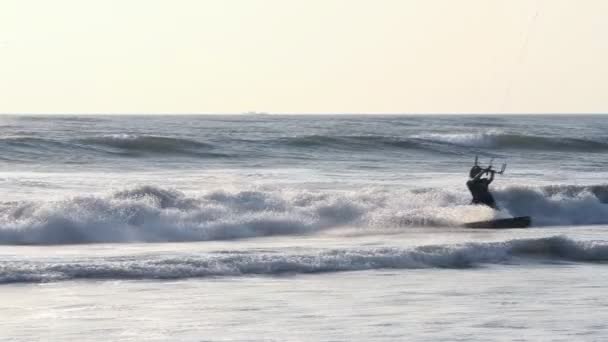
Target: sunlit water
300, 228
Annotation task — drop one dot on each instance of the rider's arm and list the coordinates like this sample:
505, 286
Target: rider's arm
491, 172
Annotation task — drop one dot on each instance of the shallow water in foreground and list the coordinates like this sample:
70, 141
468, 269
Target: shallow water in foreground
546, 291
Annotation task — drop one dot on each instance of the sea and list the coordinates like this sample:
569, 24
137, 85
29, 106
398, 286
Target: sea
301, 228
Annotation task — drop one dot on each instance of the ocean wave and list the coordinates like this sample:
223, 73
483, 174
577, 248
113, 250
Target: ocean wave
150, 144
556, 205
362, 143
276, 263
438, 142
355, 142
26, 148
516, 141
30, 142
154, 214
100, 148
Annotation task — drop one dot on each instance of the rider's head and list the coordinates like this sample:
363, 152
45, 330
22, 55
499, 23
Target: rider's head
475, 170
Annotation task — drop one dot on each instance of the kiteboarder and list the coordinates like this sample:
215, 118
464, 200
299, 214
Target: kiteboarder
479, 185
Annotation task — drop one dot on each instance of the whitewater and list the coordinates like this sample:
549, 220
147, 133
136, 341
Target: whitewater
300, 228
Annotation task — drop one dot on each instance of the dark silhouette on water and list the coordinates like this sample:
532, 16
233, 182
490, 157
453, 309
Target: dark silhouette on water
479, 186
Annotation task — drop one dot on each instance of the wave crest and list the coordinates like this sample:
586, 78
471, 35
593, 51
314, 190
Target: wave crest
516, 141
154, 214
273, 263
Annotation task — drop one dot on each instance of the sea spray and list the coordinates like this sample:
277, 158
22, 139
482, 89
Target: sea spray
156, 214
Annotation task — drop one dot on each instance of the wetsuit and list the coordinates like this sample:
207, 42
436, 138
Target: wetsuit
480, 192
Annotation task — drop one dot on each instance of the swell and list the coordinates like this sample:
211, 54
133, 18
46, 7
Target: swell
349, 142
276, 263
441, 142
28, 148
150, 144
498, 140
31, 143
155, 214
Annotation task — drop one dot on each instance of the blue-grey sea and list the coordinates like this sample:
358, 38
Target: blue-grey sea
301, 228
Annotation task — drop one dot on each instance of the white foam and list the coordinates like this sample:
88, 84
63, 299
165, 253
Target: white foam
154, 214
554, 206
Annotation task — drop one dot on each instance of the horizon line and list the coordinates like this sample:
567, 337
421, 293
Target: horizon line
305, 113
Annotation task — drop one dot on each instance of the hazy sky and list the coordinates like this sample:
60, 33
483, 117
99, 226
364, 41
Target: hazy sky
303, 56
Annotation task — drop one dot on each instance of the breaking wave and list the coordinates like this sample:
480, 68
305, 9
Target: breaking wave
155, 214
269, 263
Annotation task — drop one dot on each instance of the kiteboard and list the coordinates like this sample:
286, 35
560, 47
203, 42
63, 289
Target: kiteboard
515, 222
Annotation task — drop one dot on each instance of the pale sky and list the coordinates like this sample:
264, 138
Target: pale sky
303, 56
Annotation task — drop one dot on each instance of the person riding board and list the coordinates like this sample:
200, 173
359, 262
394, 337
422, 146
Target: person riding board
479, 186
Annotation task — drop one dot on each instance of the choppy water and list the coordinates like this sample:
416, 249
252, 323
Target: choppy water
176, 205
